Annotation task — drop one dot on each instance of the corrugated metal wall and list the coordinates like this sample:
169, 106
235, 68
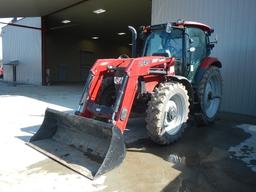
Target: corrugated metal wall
234, 23
25, 45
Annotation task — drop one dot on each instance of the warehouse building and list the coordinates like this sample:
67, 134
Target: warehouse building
61, 44
22, 46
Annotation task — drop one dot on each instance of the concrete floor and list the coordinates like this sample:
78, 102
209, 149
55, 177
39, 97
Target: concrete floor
220, 157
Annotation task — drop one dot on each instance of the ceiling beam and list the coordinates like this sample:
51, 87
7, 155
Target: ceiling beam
18, 25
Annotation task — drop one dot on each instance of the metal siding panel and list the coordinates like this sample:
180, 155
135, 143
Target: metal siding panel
24, 44
233, 21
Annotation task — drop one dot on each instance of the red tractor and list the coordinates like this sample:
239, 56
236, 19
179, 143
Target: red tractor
174, 77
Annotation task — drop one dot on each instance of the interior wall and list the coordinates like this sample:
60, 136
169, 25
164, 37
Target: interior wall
234, 24
63, 56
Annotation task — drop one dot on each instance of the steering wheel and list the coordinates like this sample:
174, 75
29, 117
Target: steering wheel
123, 56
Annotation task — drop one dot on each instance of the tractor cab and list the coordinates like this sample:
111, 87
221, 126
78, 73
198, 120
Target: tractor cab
187, 42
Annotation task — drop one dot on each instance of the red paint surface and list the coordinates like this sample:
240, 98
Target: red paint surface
199, 25
134, 68
208, 61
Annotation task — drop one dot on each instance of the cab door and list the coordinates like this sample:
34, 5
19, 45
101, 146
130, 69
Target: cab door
196, 43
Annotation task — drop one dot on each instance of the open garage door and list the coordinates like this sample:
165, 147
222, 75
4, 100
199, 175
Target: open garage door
71, 27
79, 35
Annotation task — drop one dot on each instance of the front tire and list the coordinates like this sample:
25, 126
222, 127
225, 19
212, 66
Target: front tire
167, 113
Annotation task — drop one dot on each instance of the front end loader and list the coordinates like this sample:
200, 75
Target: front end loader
174, 75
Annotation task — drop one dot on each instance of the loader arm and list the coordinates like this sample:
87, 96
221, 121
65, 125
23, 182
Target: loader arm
150, 68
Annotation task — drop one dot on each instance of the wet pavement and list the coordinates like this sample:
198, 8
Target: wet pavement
199, 161
219, 157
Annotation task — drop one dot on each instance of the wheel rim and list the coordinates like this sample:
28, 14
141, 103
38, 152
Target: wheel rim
174, 114
212, 96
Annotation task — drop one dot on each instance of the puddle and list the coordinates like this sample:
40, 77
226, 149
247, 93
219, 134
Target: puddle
48, 166
198, 162
141, 171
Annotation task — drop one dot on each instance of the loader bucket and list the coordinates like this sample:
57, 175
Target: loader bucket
87, 146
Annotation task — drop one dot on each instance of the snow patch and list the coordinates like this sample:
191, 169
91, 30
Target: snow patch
246, 150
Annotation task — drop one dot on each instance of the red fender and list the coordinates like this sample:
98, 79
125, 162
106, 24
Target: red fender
208, 61
205, 64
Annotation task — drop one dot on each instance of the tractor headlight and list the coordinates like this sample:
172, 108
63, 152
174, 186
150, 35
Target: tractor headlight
118, 80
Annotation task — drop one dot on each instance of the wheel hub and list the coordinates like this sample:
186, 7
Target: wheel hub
211, 102
209, 96
172, 112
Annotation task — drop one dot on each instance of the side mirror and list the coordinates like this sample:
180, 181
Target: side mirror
192, 49
213, 43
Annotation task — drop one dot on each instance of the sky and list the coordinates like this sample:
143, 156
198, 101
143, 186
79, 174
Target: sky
6, 20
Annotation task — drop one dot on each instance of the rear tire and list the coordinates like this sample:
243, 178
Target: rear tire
209, 94
167, 113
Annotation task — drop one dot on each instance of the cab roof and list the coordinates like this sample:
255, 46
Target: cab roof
199, 25
182, 24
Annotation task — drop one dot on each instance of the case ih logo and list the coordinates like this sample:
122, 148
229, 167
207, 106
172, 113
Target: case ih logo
118, 80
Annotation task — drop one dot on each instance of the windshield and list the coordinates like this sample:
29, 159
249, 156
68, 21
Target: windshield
161, 42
